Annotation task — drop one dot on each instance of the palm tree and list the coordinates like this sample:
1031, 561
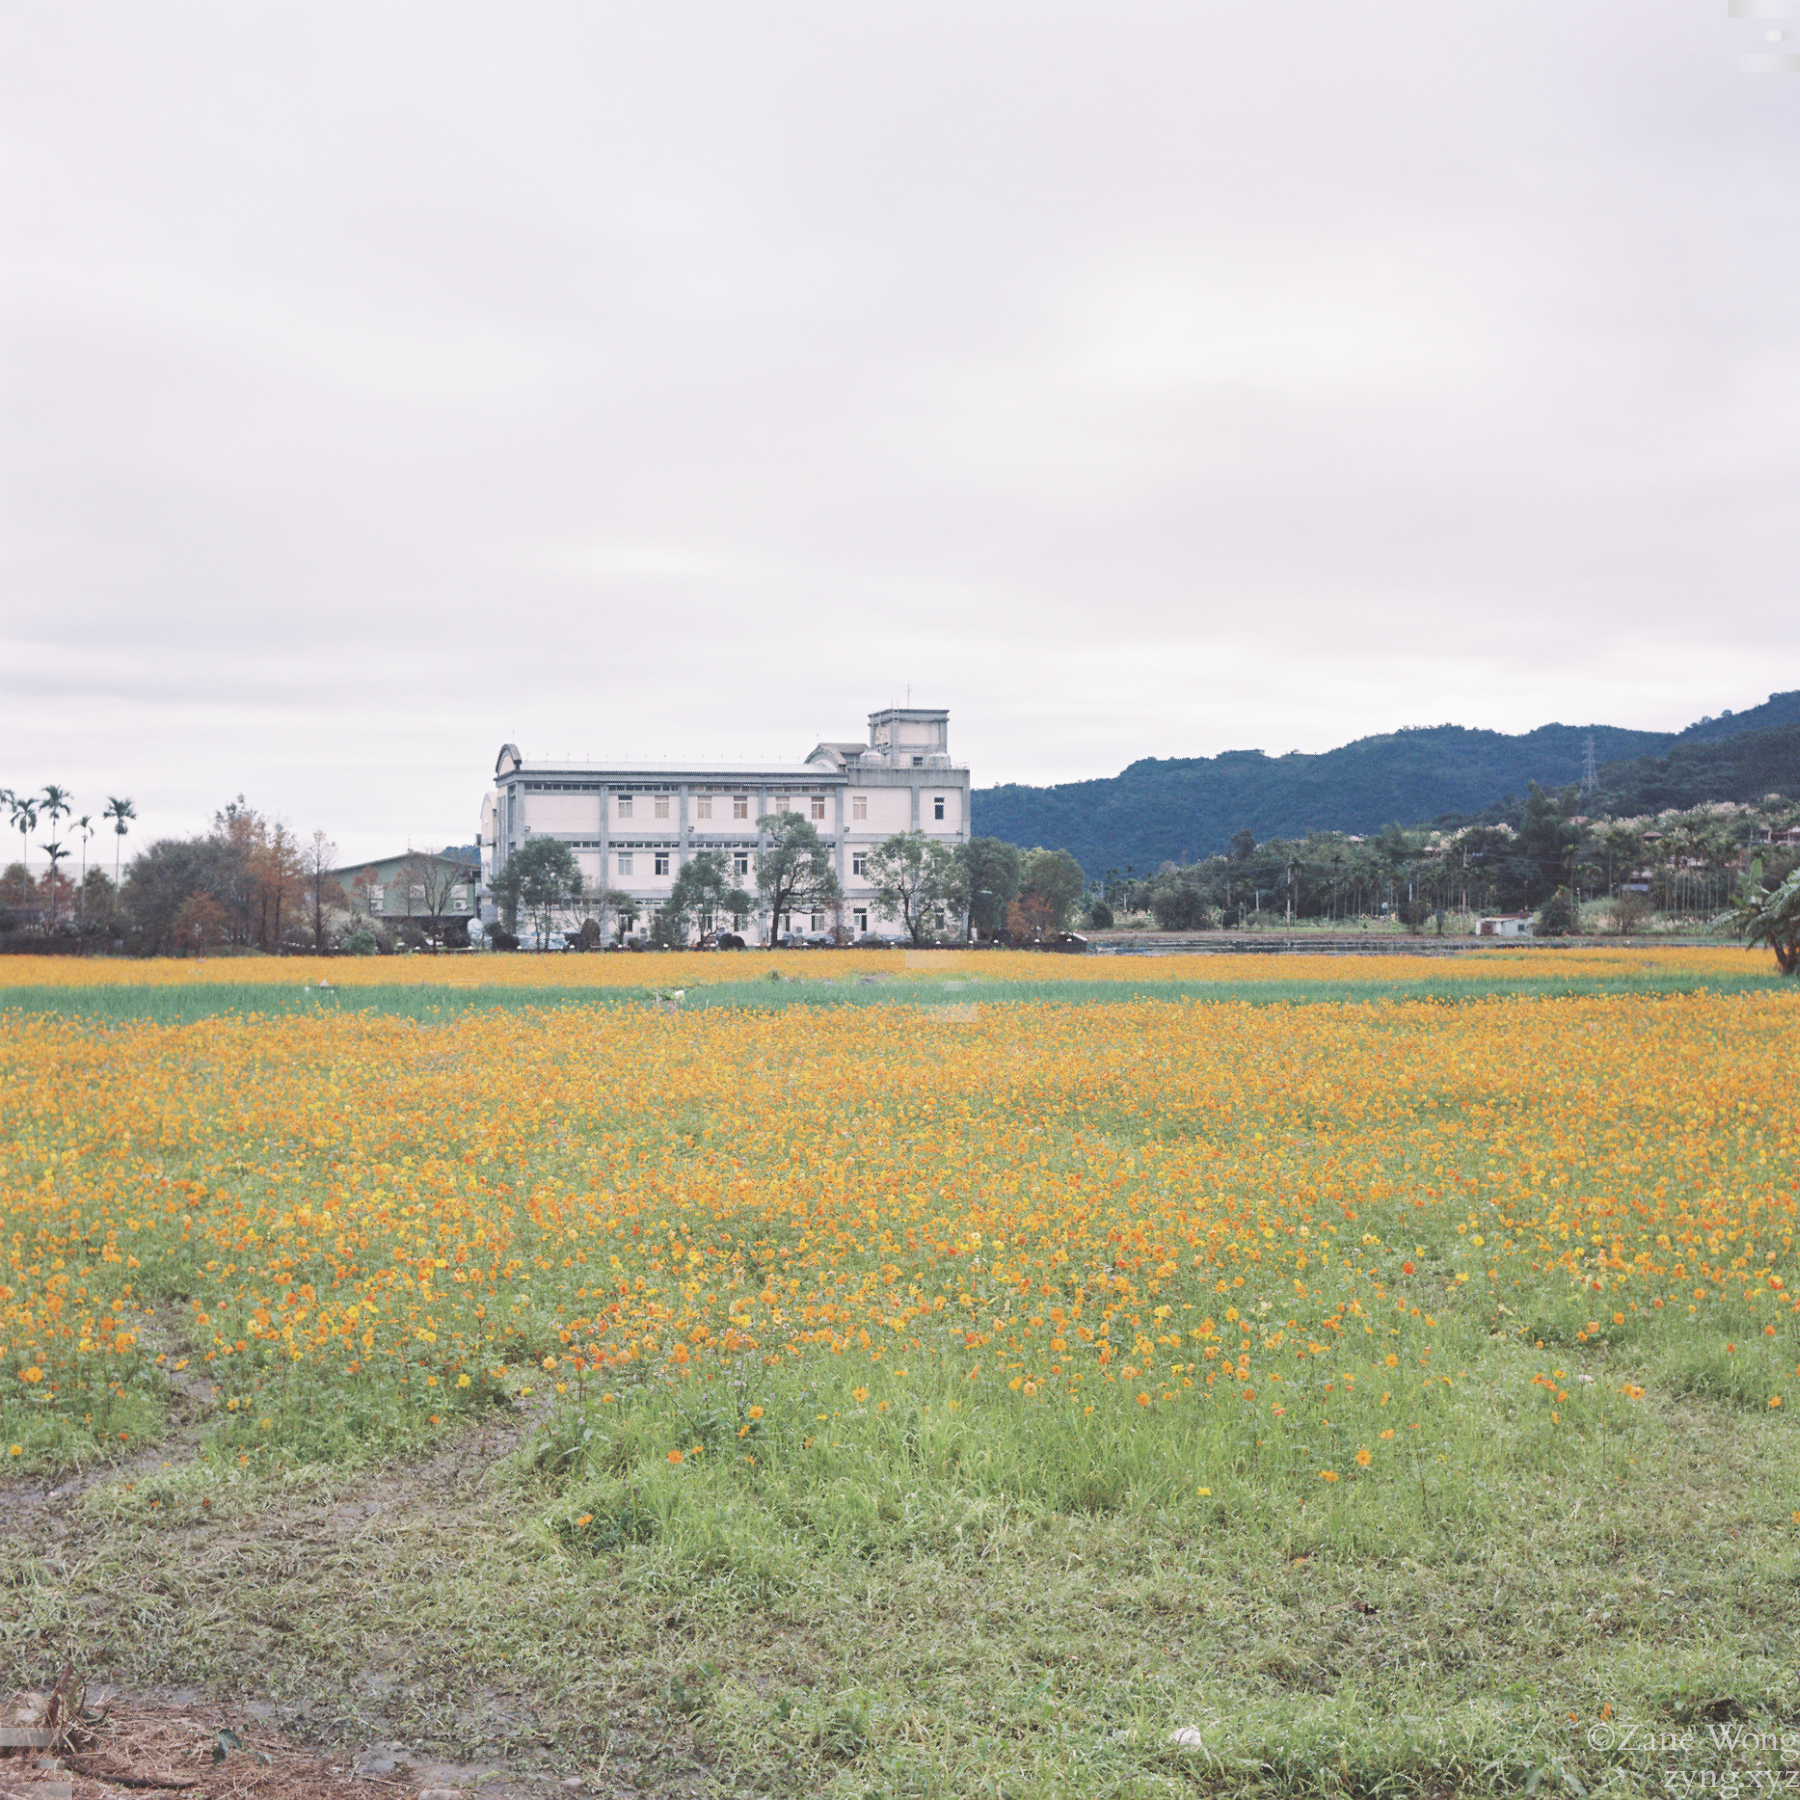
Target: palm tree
24, 809
56, 803
85, 825
56, 854
119, 811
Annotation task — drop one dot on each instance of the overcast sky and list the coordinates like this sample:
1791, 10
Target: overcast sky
385, 382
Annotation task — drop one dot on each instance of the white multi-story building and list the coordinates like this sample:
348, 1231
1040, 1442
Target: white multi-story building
633, 825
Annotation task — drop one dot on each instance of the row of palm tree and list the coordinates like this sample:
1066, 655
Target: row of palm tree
56, 803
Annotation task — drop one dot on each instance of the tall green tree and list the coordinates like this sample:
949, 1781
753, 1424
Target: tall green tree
913, 877
543, 879
1055, 878
793, 869
84, 825
121, 812
703, 890
165, 877
56, 804
56, 853
24, 810
988, 873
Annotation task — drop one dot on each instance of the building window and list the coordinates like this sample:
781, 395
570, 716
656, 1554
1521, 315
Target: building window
624, 806
740, 806
662, 862
861, 916
859, 806
818, 806
859, 862
740, 862
662, 806
918, 762
818, 921
937, 807
703, 806
781, 803
624, 862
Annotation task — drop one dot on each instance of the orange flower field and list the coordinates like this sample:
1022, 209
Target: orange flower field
696, 969
1273, 1213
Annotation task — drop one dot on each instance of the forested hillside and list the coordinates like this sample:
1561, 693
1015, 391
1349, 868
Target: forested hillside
1181, 809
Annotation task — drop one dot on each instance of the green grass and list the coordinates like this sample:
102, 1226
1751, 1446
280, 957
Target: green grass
185, 1003
969, 1593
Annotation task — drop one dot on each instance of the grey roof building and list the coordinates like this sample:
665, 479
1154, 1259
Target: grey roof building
632, 825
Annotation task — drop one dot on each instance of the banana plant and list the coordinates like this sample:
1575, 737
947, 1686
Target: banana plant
1768, 916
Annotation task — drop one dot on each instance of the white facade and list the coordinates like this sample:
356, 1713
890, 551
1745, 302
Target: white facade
1508, 925
631, 826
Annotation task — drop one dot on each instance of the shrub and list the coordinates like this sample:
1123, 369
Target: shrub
1180, 906
1558, 916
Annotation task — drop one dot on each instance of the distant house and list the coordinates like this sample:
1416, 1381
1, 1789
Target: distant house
1505, 925
414, 884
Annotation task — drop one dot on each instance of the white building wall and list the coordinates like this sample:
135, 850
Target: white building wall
562, 812
583, 806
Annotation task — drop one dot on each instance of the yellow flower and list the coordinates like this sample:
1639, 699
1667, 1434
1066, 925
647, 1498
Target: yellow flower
859, 1395
19, 1450
462, 1381
1364, 1457
755, 1412
675, 1456
1328, 1474
585, 1519
1205, 1493
33, 1374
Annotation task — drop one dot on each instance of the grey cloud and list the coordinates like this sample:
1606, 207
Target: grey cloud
1141, 379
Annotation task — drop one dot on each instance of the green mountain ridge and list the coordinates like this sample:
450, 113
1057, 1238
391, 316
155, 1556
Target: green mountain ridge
1180, 809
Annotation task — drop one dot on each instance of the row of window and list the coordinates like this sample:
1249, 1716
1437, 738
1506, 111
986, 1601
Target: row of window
740, 806
740, 862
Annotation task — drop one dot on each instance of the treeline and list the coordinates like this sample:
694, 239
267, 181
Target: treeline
248, 883
1184, 809
931, 890
1549, 860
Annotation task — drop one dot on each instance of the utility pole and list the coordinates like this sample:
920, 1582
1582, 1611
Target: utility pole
1590, 774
